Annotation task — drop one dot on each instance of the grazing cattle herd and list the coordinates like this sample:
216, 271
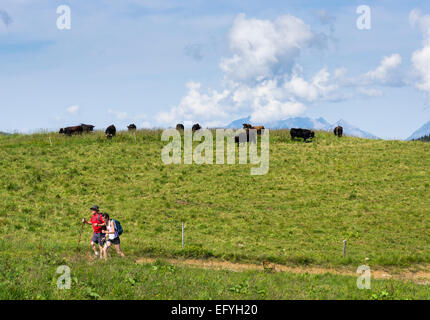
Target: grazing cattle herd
243, 137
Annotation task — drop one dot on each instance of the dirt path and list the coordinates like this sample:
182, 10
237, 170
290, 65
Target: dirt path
419, 275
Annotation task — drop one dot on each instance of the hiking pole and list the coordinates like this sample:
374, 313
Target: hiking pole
80, 235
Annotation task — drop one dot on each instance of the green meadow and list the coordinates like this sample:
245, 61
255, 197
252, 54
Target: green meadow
372, 193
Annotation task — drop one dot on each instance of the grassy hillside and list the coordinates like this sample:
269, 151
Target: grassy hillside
123, 279
372, 193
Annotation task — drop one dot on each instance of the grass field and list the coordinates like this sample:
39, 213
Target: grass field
123, 279
372, 193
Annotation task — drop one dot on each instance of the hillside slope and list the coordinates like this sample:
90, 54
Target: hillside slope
372, 193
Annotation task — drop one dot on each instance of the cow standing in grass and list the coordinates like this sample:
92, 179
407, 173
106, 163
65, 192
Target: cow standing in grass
258, 128
248, 126
132, 127
338, 131
71, 130
110, 132
180, 127
196, 127
87, 128
301, 133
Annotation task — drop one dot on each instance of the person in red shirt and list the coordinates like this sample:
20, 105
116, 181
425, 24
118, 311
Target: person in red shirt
98, 226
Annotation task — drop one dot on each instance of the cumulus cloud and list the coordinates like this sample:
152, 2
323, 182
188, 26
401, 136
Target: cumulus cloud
197, 106
266, 101
263, 53
320, 87
386, 73
421, 57
5, 17
263, 79
73, 109
262, 48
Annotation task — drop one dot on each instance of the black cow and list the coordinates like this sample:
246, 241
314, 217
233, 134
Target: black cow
110, 132
247, 136
71, 130
338, 131
180, 126
87, 127
132, 127
196, 127
301, 133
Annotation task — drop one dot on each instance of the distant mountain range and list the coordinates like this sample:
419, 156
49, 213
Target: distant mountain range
421, 132
308, 123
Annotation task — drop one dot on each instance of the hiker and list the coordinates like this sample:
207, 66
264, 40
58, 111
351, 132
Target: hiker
112, 236
98, 226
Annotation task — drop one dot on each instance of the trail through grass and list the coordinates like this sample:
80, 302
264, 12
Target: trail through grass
372, 193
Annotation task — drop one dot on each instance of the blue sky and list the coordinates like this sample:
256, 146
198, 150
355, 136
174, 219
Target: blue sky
155, 63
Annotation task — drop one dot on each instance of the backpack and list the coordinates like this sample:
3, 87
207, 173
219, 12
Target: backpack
118, 227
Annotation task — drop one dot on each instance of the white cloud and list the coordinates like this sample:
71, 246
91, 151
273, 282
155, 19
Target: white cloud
196, 106
421, 58
319, 88
340, 73
266, 101
386, 73
272, 109
368, 84
73, 109
263, 53
263, 79
263, 48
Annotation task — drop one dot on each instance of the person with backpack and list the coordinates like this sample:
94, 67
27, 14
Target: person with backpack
112, 232
99, 225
